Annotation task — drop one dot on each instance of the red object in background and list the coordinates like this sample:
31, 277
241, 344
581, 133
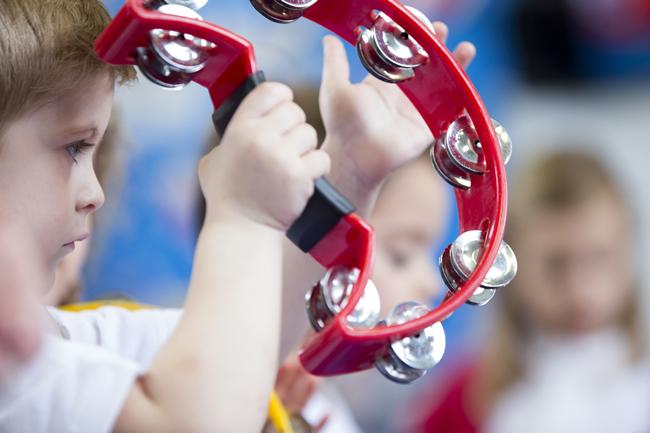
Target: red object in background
442, 93
620, 21
445, 407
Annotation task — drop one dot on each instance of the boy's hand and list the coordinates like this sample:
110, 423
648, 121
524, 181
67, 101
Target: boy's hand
265, 167
372, 127
294, 385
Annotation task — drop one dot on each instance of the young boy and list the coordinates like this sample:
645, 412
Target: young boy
55, 107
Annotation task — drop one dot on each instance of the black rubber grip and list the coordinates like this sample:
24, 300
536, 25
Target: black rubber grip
226, 110
323, 211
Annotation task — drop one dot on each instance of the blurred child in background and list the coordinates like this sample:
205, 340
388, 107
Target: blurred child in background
408, 213
567, 354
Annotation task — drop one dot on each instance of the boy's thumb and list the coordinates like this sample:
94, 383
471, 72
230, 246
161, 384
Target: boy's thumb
336, 70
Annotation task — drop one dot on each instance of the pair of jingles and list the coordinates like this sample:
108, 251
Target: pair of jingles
172, 46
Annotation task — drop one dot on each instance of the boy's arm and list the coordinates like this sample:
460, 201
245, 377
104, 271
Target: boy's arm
216, 372
228, 337
372, 130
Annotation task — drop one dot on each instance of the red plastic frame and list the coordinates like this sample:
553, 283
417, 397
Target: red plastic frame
440, 90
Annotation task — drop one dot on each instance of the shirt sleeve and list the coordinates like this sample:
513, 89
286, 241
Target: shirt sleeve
134, 335
69, 387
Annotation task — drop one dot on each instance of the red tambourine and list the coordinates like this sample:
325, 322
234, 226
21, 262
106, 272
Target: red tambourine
172, 46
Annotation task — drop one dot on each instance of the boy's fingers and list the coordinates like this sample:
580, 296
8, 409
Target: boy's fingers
301, 391
284, 117
288, 373
263, 99
317, 163
303, 138
336, 69
465, 53
441, 30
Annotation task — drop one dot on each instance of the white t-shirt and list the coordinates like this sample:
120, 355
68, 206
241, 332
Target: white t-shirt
78, 383
134, 335
69, 388
577, 385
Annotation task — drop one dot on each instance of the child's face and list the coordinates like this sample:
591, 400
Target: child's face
46, 168
68, 276
409, 216
575, 267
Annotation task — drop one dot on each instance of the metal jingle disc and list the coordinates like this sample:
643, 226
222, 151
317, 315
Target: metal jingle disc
330, 295
424, 349
464, 146
158, 72
451, 173
395, 370
375, 64
394, 45
466, 251
366, 313
504, 140
482, 296
317, 313
192, 4
409, 358
453, 281
282, 11
422, 17
180, 51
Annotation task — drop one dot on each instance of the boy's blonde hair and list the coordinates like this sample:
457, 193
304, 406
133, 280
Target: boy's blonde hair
46, 50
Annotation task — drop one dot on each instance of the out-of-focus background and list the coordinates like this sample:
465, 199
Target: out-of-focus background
553, 72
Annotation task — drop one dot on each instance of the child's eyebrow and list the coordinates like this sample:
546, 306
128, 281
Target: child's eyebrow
90, 132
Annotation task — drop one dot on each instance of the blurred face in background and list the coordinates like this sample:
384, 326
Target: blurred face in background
410, 214
575, 266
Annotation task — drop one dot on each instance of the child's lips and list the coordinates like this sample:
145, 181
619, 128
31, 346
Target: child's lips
80, 238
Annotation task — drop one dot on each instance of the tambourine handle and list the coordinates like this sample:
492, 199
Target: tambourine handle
324, 210
222, 115
326, 206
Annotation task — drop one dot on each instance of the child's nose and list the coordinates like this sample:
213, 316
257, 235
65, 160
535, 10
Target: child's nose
427, 281
91, 197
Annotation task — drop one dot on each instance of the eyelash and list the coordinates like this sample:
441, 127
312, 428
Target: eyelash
77, 148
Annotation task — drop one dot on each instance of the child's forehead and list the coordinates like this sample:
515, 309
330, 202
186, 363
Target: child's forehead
83, 111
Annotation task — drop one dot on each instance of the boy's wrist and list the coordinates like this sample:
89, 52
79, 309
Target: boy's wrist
238, 222
345, 176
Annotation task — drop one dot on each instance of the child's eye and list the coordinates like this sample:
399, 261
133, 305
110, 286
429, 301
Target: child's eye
75, 149
399, 259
